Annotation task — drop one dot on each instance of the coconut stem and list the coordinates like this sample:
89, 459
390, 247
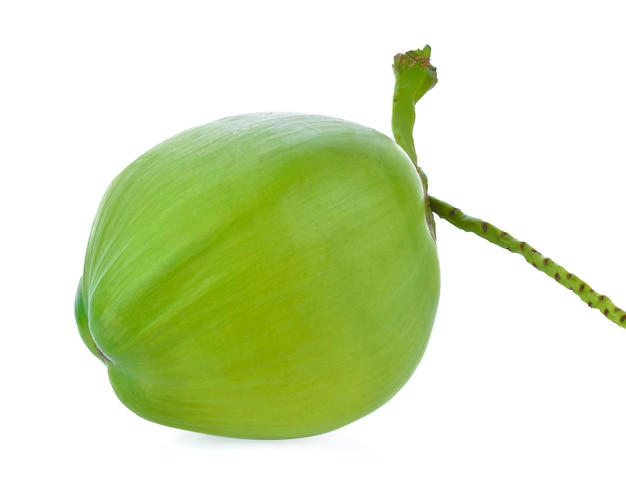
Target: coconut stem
414, 77
546, 265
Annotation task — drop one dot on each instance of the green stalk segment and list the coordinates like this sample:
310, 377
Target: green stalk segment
414, 77
546, 265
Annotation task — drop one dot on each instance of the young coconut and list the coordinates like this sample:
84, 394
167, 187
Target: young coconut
273, 275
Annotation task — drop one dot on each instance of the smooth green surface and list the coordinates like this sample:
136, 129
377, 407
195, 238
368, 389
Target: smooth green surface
265, 276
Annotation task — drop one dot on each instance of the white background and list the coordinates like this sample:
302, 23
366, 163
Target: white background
522, 387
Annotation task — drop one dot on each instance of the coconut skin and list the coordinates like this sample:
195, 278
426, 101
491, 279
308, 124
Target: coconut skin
263, 276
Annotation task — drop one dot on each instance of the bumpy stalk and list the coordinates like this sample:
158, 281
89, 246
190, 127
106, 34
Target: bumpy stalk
413, 71
546, 265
